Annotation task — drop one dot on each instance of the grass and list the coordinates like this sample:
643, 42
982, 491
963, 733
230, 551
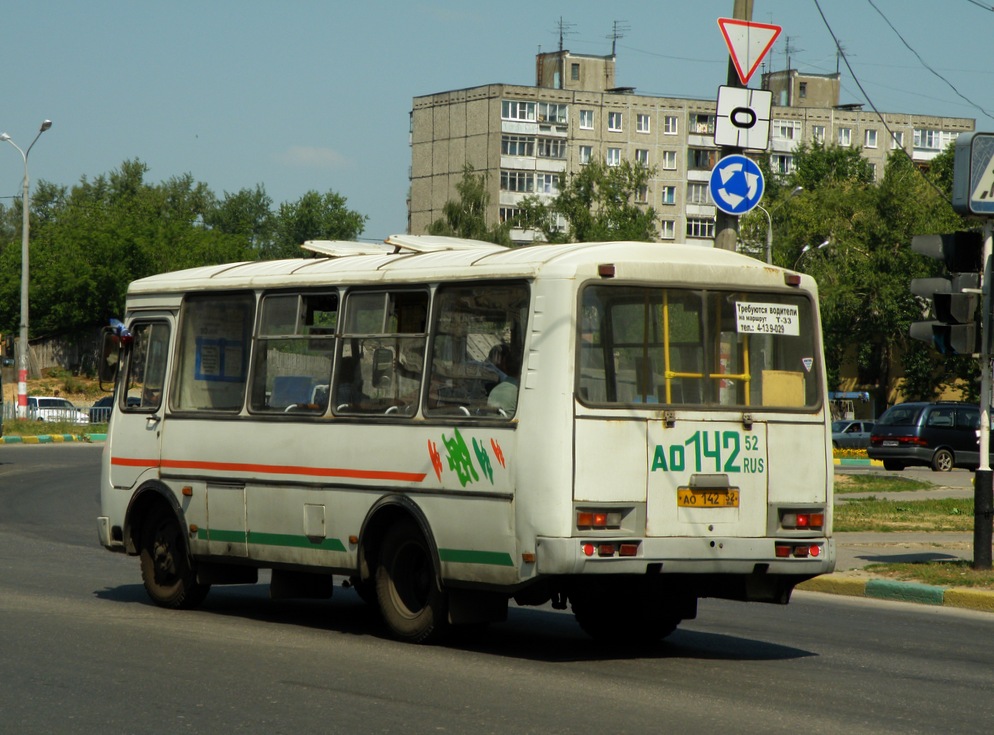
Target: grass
26, 427
845, 484
928, 516
957, 573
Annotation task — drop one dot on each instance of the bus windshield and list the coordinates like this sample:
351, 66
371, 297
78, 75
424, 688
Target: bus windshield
706, 348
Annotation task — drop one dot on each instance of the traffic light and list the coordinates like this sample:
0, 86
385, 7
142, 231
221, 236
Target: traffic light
955, 298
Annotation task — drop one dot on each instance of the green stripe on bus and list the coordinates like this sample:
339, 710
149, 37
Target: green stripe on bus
269, 539
469, 556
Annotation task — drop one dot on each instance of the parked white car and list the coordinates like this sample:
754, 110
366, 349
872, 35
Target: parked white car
53, 408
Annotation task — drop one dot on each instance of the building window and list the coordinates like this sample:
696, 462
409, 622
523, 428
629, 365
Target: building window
642, 195
613, 156
522, 181
586, 152
552, 112
845, 137
782, 163
701, 159
614, 122
642, 123
697, 193
667, 229
587, 119
818, 134
671, 125
870, 138
700, 227
787, 129
642, 156
517, 145
552, 148
802, 90
669, 161
668, 195
574, 72
935, 140
547, 183
512, 110
701, 123
509, 215
897, 139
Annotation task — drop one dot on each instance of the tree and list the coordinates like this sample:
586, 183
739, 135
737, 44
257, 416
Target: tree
599, 203
88, 242
312, 217
466, 217
865, 269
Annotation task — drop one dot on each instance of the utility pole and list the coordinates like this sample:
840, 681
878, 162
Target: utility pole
726, 230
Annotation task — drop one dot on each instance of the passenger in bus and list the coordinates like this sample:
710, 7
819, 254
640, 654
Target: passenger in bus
507, 362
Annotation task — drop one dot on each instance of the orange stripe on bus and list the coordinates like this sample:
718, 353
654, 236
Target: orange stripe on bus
177, 464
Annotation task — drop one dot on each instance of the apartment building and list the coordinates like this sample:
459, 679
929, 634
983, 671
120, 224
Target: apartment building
528, 139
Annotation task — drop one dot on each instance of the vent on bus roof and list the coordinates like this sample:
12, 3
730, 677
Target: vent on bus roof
396, 244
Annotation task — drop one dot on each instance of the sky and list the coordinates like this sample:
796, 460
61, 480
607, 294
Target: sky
302, 95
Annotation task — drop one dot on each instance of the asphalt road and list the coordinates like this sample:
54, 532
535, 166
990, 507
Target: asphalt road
83, 651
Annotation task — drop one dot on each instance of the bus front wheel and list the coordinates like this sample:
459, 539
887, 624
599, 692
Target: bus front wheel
166, 572
411, 601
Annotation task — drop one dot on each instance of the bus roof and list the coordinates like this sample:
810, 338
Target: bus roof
406, 258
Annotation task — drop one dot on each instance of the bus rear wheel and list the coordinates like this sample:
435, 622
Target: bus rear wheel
624, 612
411, 600
166, 572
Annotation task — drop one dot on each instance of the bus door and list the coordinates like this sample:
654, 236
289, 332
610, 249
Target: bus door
133, 438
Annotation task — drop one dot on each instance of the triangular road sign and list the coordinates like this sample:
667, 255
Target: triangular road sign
747, 43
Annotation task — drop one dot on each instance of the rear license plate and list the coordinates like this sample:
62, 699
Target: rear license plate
889, 443
687, 497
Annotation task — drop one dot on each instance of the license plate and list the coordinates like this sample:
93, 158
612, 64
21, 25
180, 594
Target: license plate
888, 443
687, 497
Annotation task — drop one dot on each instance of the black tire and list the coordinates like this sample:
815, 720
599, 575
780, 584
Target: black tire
624, 612
411, 601
893, 465
166, 572
942, 460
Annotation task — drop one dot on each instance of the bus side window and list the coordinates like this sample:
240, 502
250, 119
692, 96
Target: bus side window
382, 355
147, 365
213, 352
478, 347
294, 347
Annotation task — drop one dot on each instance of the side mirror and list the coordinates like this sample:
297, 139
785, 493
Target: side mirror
110, 358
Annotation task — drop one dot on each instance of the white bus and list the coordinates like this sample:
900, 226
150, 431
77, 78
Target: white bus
450, 425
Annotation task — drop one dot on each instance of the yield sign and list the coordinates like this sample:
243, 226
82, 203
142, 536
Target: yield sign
748, 43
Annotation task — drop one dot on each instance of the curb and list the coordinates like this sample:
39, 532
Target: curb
858, 462
885, 589
53, 439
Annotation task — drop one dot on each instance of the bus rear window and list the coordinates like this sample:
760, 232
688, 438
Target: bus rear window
678, 346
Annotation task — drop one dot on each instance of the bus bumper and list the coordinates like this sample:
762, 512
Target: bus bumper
568, 556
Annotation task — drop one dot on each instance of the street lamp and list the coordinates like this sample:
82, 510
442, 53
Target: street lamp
808, 248
22, 357
769, 223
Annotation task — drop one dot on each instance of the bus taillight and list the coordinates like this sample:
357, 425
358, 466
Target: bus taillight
797, 551
587, 519
805, 520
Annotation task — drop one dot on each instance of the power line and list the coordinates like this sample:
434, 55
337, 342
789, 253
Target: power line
925, 64
869, 101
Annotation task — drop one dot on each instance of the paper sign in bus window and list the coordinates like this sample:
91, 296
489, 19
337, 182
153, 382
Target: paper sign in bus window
758, 318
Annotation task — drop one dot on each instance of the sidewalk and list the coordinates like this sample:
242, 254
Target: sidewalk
855, 551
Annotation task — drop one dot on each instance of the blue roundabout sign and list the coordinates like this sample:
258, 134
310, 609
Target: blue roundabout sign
736, 184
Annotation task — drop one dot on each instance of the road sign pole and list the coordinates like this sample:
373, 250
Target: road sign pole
726, 226
983, 479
